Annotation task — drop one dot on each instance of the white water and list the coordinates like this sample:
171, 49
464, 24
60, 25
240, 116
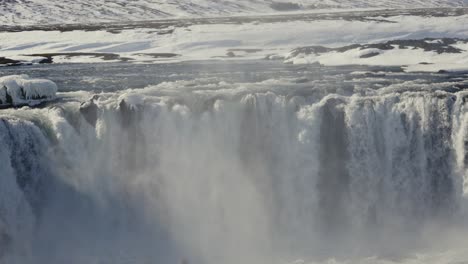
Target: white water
245, 173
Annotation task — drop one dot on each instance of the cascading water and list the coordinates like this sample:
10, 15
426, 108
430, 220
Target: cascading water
221, 173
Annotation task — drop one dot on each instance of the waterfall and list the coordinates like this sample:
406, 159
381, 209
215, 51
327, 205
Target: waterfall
220, 175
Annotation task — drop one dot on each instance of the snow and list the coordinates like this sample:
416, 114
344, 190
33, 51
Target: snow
218, 41
24, 90
81, 59
33, 12
255, 40
447, 67
411, 59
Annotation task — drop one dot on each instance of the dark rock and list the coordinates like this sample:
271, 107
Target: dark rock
428, 44
380, 46
89, 111
280, 6
310, 50
333, 181
46, 60
5, 243
231, 54
103, 56
9, 62
346, 48
443, 45
130, 119
159, 55
128, 115
369, 55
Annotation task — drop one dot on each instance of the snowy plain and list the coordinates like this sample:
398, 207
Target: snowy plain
254, 40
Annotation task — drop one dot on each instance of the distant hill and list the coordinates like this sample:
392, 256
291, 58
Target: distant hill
85, 11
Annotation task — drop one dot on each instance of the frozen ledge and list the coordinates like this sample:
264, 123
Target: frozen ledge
21, 90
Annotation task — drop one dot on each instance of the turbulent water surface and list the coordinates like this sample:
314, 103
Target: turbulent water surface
246, 162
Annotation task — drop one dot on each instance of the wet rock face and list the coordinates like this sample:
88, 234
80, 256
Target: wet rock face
5, 243
333, 181
126, 114
130, 120
5, 98
89, 111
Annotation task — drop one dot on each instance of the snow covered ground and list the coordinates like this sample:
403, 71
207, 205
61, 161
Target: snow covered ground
278, 39
431, 55
15, 12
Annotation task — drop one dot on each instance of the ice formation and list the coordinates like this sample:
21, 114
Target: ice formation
18, 90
